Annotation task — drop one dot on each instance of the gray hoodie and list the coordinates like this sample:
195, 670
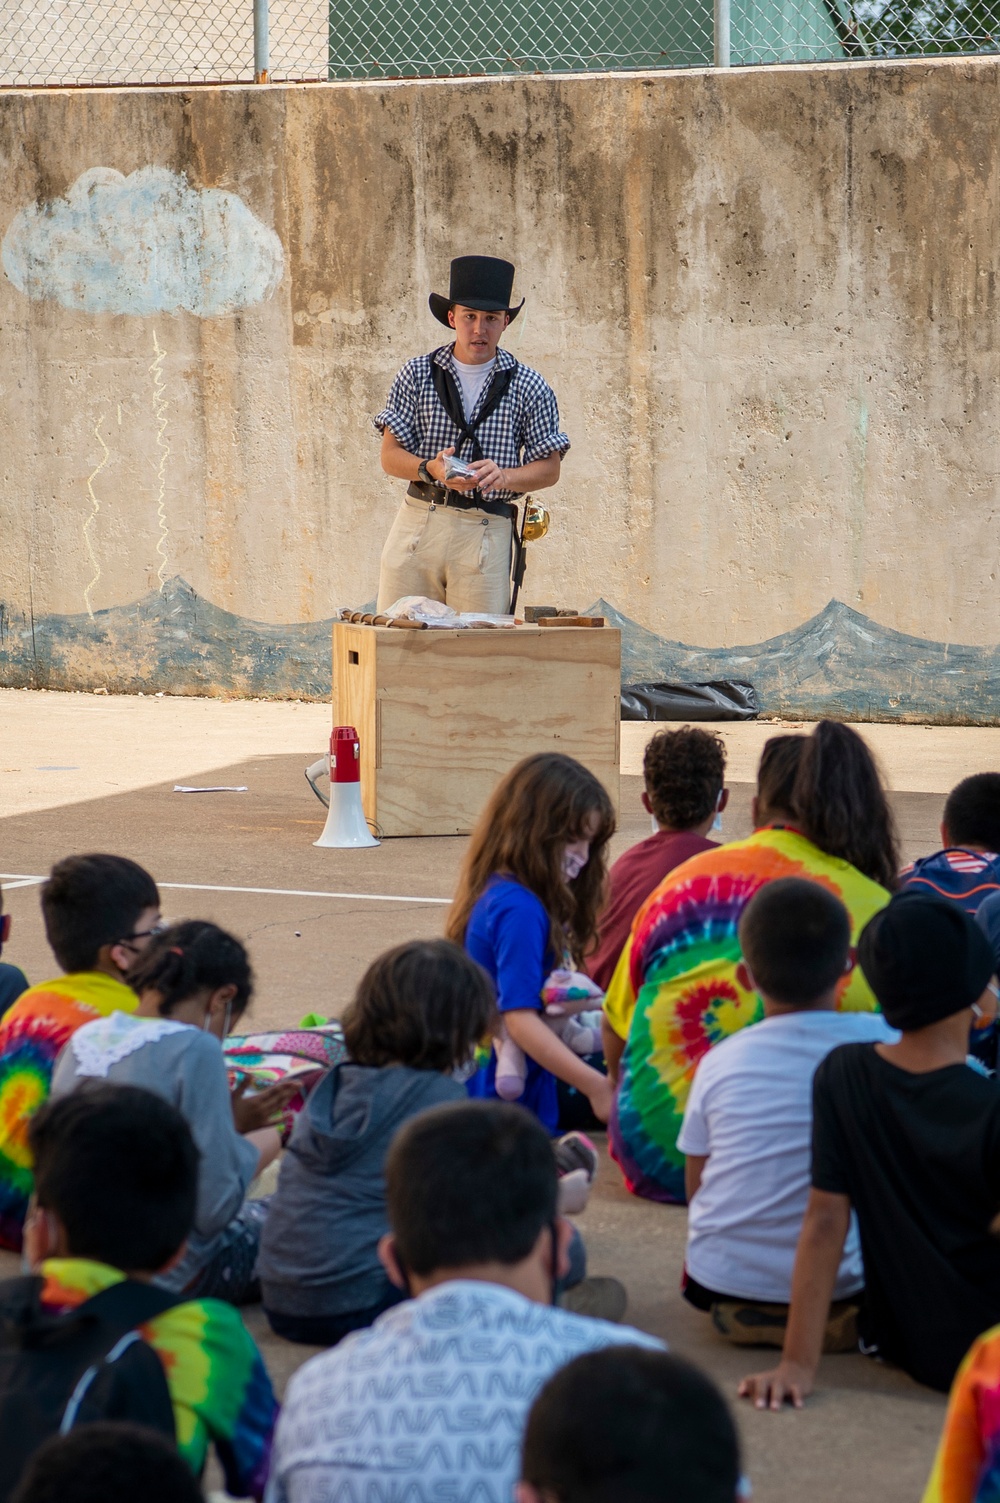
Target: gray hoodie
318, 1253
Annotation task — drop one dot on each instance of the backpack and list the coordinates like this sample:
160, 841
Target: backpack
62, 1370
966, 877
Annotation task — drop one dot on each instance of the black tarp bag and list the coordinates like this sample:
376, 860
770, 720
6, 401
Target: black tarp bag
720, 699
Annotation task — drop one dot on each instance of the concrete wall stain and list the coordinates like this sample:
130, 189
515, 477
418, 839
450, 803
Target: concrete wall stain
766, 299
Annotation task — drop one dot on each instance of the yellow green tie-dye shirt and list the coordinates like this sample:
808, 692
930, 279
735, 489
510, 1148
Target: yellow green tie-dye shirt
218, 1384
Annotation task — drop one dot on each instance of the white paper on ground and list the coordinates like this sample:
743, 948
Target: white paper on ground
180, 788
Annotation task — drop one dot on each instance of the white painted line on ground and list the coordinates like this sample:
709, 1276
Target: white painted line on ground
17, 879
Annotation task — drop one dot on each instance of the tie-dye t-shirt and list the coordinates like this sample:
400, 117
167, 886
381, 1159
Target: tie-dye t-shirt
967, 1465
675, 991
32, 1033
218, 1384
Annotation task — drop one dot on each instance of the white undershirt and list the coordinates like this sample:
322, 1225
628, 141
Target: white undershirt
471, 380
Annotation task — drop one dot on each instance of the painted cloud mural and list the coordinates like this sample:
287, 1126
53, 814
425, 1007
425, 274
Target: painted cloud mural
144, 244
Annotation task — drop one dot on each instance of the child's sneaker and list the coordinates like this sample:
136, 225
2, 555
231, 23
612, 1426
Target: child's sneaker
600, 1298
575, 1151
574, 1192
576, 1160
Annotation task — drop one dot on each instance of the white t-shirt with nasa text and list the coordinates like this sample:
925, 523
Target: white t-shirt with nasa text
429, 1403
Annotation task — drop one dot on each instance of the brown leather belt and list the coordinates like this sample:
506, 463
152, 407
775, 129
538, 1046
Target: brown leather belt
437, 495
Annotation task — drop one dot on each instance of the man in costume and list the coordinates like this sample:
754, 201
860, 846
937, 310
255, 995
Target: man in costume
452, 538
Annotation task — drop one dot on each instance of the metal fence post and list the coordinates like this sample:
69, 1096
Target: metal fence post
723, 28
262, 40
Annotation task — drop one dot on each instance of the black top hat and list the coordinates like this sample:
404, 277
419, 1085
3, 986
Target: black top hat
482, 282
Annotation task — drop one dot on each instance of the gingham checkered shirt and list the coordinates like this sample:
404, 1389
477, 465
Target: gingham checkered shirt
524, 427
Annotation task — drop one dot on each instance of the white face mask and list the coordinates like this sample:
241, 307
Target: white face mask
573, 864
654, 824
717, 821
207, 1025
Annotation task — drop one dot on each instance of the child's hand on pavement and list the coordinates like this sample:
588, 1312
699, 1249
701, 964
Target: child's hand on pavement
789, 1381
263, 1107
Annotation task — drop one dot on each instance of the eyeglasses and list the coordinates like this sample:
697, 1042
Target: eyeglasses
129, 940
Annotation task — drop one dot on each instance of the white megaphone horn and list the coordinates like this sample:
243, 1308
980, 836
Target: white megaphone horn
345, 819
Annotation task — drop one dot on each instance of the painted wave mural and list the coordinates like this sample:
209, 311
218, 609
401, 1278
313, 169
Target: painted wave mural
839, 663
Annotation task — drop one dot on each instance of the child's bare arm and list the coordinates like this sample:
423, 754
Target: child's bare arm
528, 1029
694, 1168
821, 1246
614, 1048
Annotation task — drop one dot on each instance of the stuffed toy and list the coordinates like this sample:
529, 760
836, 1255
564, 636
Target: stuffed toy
569, 999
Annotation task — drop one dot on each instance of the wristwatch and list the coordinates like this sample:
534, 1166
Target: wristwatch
424, 474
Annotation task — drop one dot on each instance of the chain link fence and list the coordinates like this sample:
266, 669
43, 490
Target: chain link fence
71, 42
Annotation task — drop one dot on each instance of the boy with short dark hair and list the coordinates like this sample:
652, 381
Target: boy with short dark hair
967, 869
108, 1462
100, 912
748, 1121
684, 772
116, 1182
439, 1387
908, 1136
629, 1426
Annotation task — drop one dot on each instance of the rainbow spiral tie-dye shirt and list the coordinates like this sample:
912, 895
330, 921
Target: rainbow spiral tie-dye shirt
967, 1465
32, 1033
675, 992
218, 1384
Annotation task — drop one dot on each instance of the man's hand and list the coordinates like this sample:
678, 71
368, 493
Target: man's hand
789, 1381
435, 467
488, 476
491, 476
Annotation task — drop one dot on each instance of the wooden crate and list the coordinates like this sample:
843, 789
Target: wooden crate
443, 714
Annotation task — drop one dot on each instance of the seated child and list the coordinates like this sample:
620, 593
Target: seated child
100, 912
684, 796
629, 1424
909, 1136
108, 1462
967, 869
416, 1018
529, 891
116, 1182
13, 981
193, 981
748, 1122
437, 1391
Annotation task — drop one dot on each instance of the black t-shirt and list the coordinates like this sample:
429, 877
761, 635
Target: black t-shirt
919, 1157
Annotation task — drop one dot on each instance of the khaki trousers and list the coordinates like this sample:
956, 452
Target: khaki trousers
460, 557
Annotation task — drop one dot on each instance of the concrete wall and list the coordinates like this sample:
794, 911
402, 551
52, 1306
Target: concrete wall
766, 299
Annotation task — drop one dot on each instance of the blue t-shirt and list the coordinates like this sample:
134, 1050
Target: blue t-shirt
509, 935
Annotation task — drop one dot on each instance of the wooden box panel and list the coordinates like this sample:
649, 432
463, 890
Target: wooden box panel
442, 715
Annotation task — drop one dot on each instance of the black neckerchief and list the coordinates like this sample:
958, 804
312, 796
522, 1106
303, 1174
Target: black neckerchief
451, 400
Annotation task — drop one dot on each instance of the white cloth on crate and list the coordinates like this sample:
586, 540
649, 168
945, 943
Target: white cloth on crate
431, 1401
750, 1111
